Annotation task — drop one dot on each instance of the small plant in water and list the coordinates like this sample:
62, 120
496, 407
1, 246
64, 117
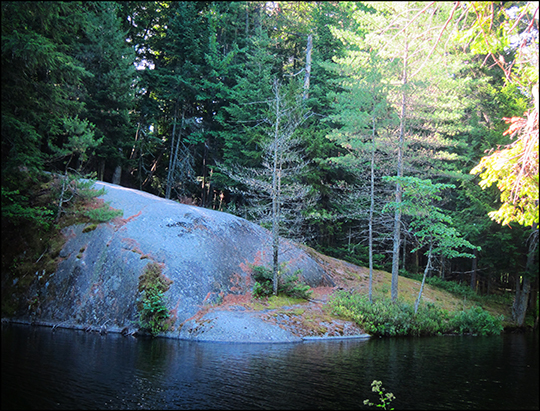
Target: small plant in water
386, 399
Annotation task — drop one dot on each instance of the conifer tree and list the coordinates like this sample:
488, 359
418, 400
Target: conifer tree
431, 225
104, 52
411, 34
278, 198
364, 115
41, 81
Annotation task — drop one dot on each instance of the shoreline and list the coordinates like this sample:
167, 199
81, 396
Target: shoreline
186, 336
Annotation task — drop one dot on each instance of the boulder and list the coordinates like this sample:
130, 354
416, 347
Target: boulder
206, 254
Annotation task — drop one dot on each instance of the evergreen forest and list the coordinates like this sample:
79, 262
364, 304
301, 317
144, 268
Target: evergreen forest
399, 136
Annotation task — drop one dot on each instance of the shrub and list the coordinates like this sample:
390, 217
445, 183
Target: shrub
153, 312
292, 287
288, 285
263, 277
89, 228
382, 317
387, 318
16, 208
476, 321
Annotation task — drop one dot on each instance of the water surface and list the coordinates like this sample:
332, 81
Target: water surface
68, 369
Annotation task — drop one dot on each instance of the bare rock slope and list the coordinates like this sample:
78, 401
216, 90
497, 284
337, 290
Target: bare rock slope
206, 254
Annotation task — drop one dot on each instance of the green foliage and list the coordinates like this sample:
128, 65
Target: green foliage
476, 321
518, 184
153, 311
79, 200
89, 228
386, 399
103, 214
152, 308
110, 92
288, 285
16, 208
79, 139
386, 318
430, 223
41, 80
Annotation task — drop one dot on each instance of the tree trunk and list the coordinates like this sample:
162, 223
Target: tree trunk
117, 176
371, 207
397, 215
308, 66
426, 271
153, 169
275, 196
205, 185
533, 298
441, 270
474, 268
404, 256
172, 159
101, 170
519, 309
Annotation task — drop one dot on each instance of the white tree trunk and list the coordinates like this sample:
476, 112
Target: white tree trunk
275, 195
172, 161
117, 176
308, 66
371, 207
397, 215
426, 271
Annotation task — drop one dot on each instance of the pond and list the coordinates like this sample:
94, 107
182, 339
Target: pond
67, 369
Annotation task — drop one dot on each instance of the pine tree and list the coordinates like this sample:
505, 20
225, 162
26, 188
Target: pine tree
41, 81
411, 34
364, 115
104, 52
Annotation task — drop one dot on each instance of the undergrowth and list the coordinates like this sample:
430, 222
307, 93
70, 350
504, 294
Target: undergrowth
289, 285
384, 317
459, 290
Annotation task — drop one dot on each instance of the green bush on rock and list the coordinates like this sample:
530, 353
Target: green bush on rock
152, 310
288, 285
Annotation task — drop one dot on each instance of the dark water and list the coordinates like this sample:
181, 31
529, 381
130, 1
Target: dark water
76, 370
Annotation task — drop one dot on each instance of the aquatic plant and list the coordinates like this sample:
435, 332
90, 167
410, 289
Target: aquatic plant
385, 398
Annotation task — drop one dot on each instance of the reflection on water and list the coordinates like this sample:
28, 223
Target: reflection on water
71, 369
